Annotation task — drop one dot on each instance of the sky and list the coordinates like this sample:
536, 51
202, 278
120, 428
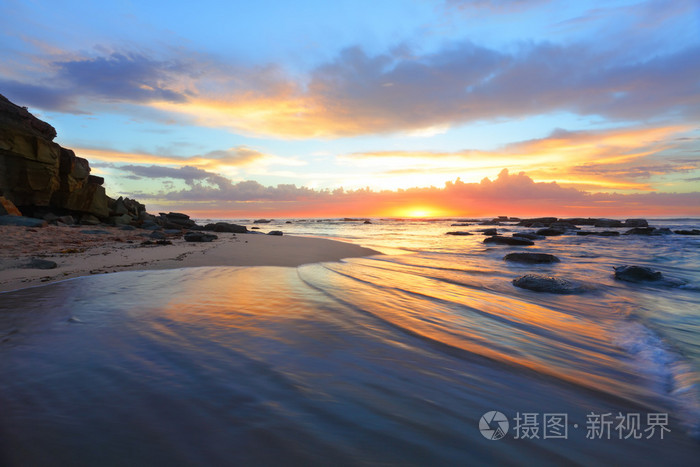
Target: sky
392, 108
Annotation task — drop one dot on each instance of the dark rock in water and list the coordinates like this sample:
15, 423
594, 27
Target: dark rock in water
649, 231
540, 283
288, 222
641, 231
199, 237
367, 222
489, 231
458, 232
636, 223
172, 231
580, 221
531, 258
549, 232
462, 224
22, 221
498, 240
94, 232
537, 222
529, 235
688, 232
606, 233
255, 228
36, 263
262, 221
275, 232
636, 274
607, 223
563, 226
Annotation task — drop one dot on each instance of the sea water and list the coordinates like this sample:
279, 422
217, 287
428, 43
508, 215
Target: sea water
396, 359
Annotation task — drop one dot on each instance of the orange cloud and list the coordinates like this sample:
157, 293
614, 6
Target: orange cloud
511, 194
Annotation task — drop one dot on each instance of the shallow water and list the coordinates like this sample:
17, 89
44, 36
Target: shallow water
391, 359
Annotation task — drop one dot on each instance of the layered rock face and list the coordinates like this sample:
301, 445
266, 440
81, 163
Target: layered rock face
37, 173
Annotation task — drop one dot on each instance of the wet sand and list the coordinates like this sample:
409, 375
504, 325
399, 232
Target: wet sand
79, 254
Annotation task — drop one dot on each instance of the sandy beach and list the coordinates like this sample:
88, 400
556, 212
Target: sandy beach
83, 251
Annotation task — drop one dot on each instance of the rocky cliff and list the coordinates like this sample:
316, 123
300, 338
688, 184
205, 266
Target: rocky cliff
44, 179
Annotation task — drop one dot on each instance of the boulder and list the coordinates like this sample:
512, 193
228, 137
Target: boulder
531, 258
199, 237
636, 274
175, 220
529, 235
22, 221
607, 223
89, 219
458, 232
276, 232
636, 223
563, 226
226, 227
157, 235
498, 240
688, 232
537, 222
489, 231
547, 232
642, 231
541, 283
267, 221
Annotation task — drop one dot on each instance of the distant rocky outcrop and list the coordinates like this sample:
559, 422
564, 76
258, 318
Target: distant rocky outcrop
42, 179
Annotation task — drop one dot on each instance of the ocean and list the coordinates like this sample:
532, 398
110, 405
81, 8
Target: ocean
424, 355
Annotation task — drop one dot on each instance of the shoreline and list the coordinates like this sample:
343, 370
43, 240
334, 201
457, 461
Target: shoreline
78, 254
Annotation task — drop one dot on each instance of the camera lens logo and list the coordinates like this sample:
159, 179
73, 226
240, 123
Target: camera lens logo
493, 425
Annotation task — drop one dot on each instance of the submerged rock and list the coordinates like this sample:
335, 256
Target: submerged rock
541, 283
688, 232
458, 232
531, 258
529, 235
605, 233
636, 274
489, 231
498, 240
